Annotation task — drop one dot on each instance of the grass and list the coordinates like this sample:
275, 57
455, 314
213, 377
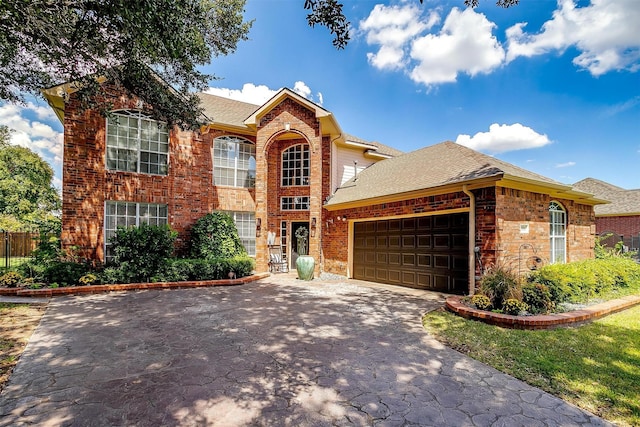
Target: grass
13, 262
595, 366
17, 323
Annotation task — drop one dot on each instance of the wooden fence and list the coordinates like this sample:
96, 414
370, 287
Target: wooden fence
16, 247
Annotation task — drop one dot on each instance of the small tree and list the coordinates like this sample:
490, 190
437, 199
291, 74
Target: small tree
143, 251
215, 236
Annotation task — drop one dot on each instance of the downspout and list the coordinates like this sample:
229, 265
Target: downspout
472, 239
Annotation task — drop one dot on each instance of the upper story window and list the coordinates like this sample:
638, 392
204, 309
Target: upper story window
234, 162
295, 165
558, 232
135, 143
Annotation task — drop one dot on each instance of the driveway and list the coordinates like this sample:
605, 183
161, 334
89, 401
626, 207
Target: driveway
278, 352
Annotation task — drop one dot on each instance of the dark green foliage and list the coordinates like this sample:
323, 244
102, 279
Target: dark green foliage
215, 236
583, 280
122, 40
205, 269
64, 273
538, 297
112, 275
140, 252
28, 199
513, 306
499, 284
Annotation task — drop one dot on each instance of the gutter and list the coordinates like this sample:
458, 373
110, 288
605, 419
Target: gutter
472, 239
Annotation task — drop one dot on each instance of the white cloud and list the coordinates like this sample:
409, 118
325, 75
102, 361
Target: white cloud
605, 32
249, 93
392, 28
502, 138
260, 94
40, 137
565, 165
465, 43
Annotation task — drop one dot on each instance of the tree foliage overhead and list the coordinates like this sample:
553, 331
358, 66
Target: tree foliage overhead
27, 197
141, 45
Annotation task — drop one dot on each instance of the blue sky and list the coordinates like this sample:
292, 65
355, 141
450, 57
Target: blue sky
551, 86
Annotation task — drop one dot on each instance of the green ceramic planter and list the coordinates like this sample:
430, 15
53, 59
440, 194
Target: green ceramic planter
305, 265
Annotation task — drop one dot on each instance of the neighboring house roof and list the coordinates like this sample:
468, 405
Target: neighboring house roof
623, 202
438, 166
378, 147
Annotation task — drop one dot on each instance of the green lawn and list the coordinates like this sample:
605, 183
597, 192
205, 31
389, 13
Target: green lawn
13, 262
594, 366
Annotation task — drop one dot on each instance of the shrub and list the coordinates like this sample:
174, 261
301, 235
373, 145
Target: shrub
514, 307
582, 280
207, 269
538, 297
215, 236
112, 275
482, 302
141, 252
64, 273
499, 284
10, 279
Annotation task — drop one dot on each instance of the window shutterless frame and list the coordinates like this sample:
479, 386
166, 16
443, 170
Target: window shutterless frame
295, 166
557, 233
136, 143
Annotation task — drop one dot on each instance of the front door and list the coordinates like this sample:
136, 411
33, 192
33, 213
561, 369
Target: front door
295, 251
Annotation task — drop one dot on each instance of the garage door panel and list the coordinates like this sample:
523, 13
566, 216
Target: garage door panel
395, 258
421, 252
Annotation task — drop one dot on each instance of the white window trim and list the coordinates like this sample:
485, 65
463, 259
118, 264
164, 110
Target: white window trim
294, 202
252, 230
137, 220
138, 115
237, 141
303, 147
555, 239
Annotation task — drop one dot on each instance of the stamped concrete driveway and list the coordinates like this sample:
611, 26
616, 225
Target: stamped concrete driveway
276, 353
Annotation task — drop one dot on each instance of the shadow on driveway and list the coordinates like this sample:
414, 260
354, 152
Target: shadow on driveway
275, 352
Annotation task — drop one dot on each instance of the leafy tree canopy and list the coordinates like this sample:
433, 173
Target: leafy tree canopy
28, 200
142, 46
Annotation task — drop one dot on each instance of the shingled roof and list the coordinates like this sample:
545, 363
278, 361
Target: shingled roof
431, 167
225, 110
623, 202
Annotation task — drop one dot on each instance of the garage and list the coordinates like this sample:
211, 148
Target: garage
427, 252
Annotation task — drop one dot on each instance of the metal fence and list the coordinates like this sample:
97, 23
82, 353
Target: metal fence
16, 248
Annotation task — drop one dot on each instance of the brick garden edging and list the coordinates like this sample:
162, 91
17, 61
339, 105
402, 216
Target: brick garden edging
542, 321
95, 289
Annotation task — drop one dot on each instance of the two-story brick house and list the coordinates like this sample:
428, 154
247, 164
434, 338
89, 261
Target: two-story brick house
431, 219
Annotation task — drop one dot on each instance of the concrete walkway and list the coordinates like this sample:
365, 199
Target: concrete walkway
278, 352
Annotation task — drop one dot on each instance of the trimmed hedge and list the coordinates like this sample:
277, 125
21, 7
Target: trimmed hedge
583, 280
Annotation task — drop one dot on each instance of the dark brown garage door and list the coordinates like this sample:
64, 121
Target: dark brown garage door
429, 252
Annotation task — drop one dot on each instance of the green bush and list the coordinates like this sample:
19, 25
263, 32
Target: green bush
10, 279
482, 302
205, 269
583, 280
141, 252
215, 236
499, 284
514, 307
538, 297
64, 273
112, 275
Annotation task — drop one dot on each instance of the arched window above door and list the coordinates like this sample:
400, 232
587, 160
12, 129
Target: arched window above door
295, 166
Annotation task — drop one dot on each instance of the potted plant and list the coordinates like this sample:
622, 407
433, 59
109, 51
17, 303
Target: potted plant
305, 264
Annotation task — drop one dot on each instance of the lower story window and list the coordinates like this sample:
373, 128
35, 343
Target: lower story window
246, 225
126, 214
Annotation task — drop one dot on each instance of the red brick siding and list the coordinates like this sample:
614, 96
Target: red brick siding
187, 189
517, 207
625, 226
269, 146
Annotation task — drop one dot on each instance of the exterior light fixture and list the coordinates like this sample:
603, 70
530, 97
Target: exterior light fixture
313, 227
258, 226
287, 127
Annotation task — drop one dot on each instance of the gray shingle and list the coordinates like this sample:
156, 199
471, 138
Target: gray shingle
623, 202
